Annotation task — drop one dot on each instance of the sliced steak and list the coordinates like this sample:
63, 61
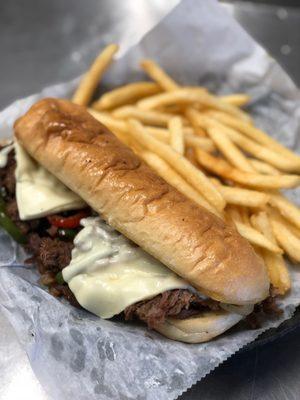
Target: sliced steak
173, 303
53, 254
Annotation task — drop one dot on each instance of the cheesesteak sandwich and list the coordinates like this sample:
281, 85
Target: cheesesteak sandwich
107, 232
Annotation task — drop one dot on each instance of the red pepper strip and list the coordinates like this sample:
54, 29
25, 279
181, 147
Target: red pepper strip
68, 222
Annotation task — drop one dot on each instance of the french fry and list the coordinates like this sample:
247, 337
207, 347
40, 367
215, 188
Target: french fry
91, 79
257, 135
173, 109
248, 145
187, 130
159, 75
190, 96
277, 269
261, 152
199, 131
173, 178
176, 135
177, 97
244, 211
125, 95
238, 99
256, 238
293, 229
193, 175
168, 84
108, 120
278, 272
263, 167
242, 197
190, 139
146, 116
234, 214
287, 209
202, 142
160, 133
261, 222
225, 170
285, 237
190, 155
229, 150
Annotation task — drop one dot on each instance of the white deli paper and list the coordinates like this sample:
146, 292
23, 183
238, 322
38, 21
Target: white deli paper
77, 355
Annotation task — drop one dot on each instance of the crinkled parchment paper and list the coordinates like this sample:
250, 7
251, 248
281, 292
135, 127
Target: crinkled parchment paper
75, 354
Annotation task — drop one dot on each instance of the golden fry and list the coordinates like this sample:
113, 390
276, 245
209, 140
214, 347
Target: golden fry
256, 238
286, 208
173, 178
278, 271
243, 197
190, 96
257, 135
286, 239
190, 155
261, 152
261, 222
193, 175
160, 133
159, 75
225, 170
126, 94
176, 135
108, 120
229, 150
238, 100
245, 215
204, 143
146, 116
263, 167
91, 79
234, 214
256, 149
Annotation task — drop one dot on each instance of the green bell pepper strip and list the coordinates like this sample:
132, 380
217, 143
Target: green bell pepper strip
59, 278
7, 224
67, 233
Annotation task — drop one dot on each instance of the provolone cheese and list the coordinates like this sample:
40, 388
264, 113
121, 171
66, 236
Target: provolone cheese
38, 192
108, 273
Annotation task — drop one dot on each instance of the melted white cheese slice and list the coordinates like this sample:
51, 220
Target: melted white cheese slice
107, 273
38, 192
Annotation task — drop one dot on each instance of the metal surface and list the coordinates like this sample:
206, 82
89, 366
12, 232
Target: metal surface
277, 28
46, 41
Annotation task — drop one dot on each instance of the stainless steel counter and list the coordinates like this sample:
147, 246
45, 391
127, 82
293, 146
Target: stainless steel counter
49, 41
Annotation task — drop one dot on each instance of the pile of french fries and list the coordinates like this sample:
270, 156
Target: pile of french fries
208, 148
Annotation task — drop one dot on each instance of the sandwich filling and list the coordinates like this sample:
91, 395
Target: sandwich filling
83, 259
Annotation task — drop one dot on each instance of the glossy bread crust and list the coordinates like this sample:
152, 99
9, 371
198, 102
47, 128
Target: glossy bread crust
110, 177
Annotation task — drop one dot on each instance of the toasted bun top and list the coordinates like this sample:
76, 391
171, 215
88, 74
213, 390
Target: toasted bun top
191, 241
201, 328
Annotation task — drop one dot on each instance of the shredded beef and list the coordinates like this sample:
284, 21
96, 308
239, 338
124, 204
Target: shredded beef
52, 231
267, 307
53, 254
180, 303
7, 176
